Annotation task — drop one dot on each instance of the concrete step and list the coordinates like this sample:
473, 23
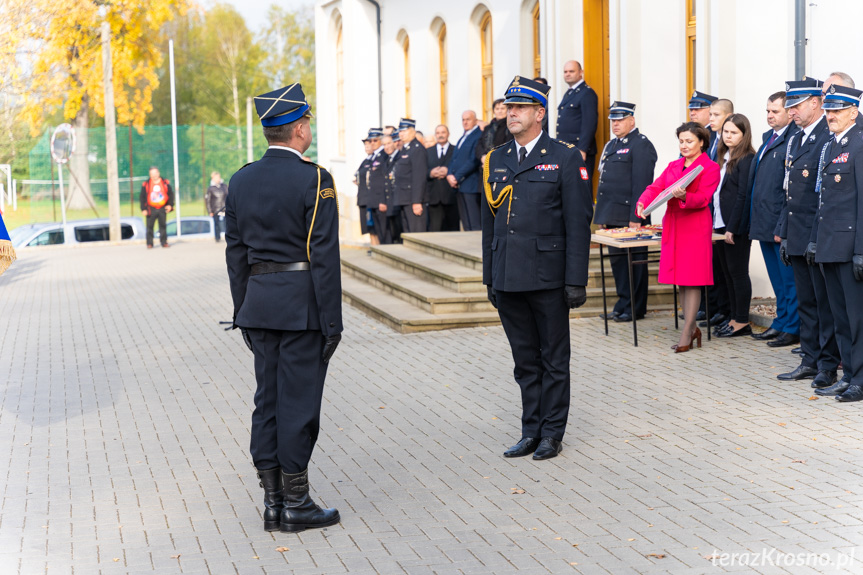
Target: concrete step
449, 274
463, 248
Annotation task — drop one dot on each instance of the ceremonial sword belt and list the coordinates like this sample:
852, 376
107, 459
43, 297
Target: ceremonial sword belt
273, 267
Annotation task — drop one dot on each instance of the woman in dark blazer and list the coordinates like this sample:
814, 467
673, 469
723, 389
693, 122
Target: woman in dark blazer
735, 155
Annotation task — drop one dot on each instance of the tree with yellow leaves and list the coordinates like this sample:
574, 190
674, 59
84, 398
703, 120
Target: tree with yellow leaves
67, 70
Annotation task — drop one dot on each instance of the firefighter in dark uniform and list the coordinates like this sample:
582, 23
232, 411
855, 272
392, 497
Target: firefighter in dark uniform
836, 242
820, 358
376, 182
392, 211
535, 251
578, 115
625, 169
282, 252
361, 178
411, 171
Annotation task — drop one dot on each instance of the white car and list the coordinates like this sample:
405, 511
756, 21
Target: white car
75, 232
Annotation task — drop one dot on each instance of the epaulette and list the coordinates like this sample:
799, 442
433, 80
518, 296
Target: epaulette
567, 144
643, 137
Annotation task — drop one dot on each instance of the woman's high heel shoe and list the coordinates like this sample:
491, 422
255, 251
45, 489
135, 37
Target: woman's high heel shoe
696, 337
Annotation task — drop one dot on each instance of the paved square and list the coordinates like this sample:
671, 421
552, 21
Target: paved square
124, 431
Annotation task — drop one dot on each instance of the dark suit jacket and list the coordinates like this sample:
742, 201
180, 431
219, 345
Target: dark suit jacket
732, 195
801, 201
438, 190
410, 173
541, 239
377, 180
577, 117
766, 193
363, 195
268, 218
837, 224
627, 170
465, 165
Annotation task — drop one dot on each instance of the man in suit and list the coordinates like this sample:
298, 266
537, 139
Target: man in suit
535, 252
411, 171
578, 115
836, 240
625, 170
441, 196
464, 173
282, 235
820, 357
376, 183
767, 196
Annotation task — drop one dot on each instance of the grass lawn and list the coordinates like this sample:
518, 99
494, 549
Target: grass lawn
38, 211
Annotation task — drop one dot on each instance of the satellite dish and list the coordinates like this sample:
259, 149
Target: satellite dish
63, 143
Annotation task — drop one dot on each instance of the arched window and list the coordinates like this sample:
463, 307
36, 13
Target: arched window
406, 49
537, 57
485, 37
690, 47
441, 44
340, 85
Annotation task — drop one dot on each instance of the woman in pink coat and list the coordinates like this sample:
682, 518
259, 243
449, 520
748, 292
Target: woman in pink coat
686, 256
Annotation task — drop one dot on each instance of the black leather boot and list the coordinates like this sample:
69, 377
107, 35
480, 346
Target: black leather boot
300, 511
271, 481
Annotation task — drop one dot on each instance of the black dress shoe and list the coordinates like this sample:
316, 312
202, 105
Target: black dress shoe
768, 333
784, 339
825, 378
549, 447
525, 446
798, 351
853, 393
700, 316
730, 332
609, 315
837, 388
624, 317
717, 319
802, 372
722, 329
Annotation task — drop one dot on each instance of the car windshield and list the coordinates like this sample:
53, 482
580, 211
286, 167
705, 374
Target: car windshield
18, 234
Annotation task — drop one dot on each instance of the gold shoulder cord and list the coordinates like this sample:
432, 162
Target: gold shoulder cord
495, 203
314, 215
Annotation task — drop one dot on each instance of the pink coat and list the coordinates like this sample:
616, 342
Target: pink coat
686, 255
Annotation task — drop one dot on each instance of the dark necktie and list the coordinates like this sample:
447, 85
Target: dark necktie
522, 154
439, 152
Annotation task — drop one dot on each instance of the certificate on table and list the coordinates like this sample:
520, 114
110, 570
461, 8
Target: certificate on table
665, 195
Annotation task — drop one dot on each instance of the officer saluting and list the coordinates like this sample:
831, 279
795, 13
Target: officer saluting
836, 240
535, 250
283, 264
625, 170
411, 172
817, 335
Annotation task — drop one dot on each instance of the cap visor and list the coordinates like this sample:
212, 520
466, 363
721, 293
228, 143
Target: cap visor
521, 100
792, 101
835, 105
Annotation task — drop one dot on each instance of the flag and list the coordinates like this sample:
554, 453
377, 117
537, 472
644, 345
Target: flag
7, 252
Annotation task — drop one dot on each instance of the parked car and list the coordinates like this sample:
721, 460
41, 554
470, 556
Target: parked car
193, 227
75, 232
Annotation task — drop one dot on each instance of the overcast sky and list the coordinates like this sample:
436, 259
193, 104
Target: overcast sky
253, 11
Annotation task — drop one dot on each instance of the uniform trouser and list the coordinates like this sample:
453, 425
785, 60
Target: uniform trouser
620, 270
846, 303
411, 222
782, 280
152, 216
290, 375
537, 326
734, 265
817, 334
468, 211
394, 223
437, 217
382, 228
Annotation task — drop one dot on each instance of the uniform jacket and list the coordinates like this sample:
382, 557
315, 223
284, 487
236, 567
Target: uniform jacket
438, 190
363, 194
465, 165
577, 117
377, 175
766, 193
541, 239
389, 182
732, 195
686, 253
837, 223
215, 198
411, 172
273, 205
627, 169
801, 200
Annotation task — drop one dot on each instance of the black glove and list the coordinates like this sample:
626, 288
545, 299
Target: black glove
575, 296
246, 338
809, 254
330, 345
492, 296
783, 253
858, 267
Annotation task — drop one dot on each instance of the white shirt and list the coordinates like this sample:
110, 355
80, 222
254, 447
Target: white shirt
528, 147
718, 222
441, 149
286, 148
842, 135
807, 131
465, 135
577, 84
778, 135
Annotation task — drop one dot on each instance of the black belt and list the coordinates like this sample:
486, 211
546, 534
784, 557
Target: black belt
273, 267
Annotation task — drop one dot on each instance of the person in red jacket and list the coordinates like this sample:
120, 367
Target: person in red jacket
157, 199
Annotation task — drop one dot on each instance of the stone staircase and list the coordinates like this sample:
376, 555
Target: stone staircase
433, 281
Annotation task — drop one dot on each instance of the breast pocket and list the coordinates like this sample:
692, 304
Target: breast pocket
839, 178
542, 186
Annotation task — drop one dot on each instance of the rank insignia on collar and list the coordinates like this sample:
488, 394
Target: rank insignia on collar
542, 151
841, 158
625, 140
837, 178
812, 138
546, 167
844, 140
805, 173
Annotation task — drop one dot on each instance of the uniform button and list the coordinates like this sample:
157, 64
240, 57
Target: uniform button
332, 325
515, 197
790, 213
516, 181
511, 231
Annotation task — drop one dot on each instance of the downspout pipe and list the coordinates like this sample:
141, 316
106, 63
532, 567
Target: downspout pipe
799, 39
380, 67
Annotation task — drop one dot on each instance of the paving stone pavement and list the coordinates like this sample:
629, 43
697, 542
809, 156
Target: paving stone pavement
124, 431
